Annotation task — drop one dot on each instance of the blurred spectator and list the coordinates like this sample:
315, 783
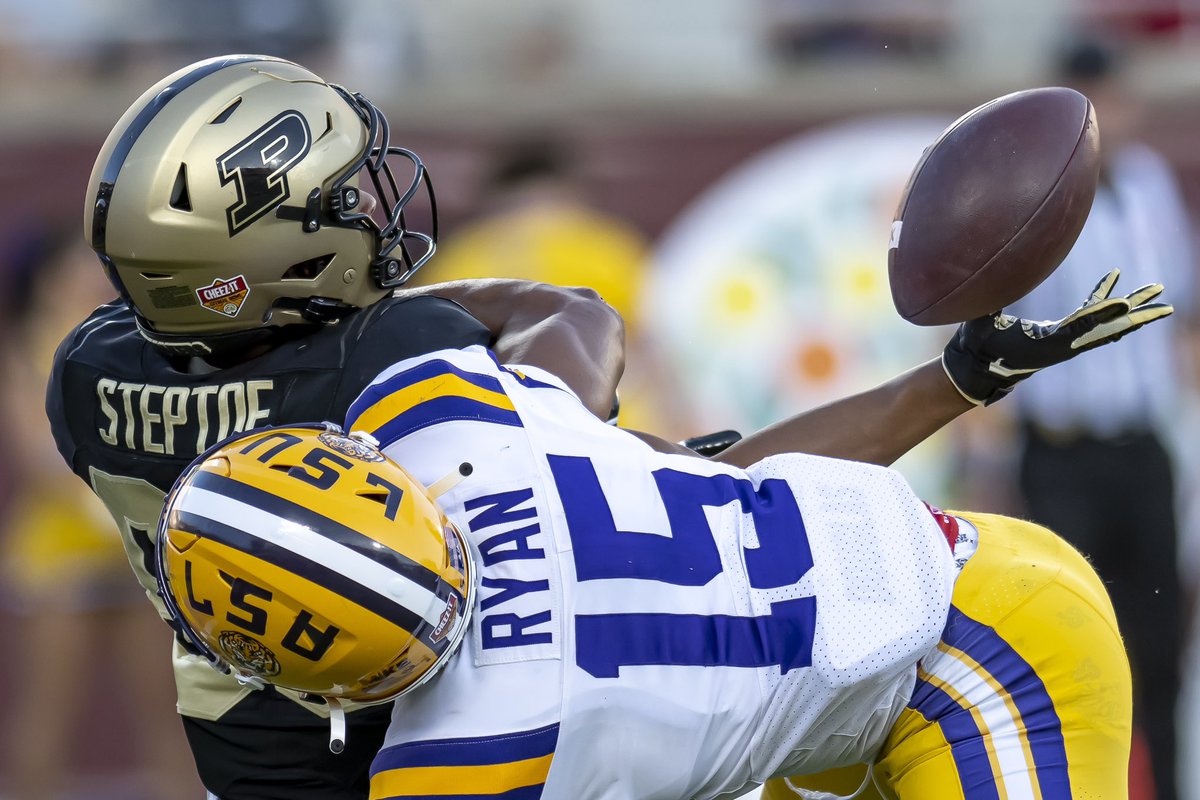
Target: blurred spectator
64, 575
1095, 463
293, 29
536, 222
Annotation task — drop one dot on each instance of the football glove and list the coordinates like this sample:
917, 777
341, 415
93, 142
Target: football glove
988, 356
712, 444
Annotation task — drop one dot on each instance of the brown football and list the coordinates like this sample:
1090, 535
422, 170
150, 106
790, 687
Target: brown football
994, 205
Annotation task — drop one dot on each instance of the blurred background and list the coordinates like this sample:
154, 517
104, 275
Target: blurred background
725, 173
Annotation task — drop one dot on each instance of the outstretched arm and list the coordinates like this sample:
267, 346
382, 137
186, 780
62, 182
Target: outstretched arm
984, 360
568, 331
877, 426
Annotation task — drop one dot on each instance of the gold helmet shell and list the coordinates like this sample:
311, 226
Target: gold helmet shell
226, 201
307, 559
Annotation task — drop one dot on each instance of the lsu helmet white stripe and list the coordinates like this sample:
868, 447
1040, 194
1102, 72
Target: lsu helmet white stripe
309, 544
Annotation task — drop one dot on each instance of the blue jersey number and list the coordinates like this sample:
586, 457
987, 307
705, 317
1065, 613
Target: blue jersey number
688, 557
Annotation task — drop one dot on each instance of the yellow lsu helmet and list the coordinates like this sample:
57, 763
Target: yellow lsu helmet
305, 558
225, 204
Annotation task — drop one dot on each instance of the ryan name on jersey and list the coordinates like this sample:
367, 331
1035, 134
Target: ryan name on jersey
517, 597
179, 420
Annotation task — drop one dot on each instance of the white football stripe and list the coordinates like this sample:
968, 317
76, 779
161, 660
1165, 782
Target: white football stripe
1003, 729
308, 544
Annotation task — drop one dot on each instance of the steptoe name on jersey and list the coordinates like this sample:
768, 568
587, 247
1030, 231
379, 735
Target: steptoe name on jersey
178, 420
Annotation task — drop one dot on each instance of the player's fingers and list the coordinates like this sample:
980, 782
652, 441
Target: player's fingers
1144, 294
1097, 313
1114, 329
1101, 334
1143, 316
1150, 312
1104, 288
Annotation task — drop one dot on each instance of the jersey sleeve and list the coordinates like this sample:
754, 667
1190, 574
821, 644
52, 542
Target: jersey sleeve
512, 766
419, 393
57, 398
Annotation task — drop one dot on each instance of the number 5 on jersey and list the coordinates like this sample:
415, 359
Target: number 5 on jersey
688, 557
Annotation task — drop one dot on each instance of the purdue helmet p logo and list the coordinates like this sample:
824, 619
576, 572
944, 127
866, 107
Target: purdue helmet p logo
258, 167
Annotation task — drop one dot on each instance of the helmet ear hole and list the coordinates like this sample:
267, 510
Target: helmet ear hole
309, 269
328, 126
226, 112
380, 496
181, 198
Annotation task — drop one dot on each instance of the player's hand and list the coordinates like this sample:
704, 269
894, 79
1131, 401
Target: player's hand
988, 356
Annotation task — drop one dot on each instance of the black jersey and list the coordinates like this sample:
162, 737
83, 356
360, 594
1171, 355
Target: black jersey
118, 404
129, 420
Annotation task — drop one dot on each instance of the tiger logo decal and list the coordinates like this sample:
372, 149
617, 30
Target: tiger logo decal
248, 653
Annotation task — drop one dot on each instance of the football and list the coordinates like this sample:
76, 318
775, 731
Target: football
994, 205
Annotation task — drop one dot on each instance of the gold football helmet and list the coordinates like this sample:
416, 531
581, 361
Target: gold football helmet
305, 558
226, 203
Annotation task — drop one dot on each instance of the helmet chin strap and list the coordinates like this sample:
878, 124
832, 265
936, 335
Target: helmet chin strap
446, 483
337, 725
337, 719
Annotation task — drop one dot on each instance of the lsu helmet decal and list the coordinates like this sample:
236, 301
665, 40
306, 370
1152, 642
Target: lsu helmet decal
305, 558
233, 186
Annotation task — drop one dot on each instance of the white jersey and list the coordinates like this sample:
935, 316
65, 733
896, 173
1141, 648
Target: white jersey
647, 625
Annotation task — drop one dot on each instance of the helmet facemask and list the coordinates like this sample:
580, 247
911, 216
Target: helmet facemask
394, 262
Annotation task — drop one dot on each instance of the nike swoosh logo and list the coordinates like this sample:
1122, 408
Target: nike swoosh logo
997, 367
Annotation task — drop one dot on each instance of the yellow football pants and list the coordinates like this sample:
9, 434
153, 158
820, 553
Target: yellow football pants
1028, 694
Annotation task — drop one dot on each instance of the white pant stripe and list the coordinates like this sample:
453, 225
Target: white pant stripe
1005, 739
